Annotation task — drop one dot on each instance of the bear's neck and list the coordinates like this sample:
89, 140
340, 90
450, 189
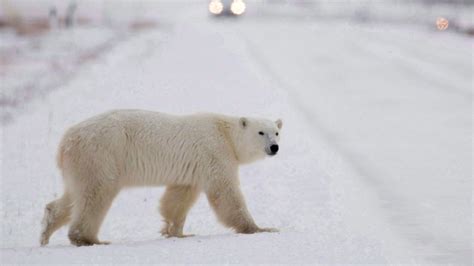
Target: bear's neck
227, 129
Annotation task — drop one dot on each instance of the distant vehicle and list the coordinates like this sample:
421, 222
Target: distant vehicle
227, 7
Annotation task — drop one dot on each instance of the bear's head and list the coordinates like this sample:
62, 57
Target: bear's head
257, 138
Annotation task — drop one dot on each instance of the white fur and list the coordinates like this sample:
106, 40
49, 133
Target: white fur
188, 154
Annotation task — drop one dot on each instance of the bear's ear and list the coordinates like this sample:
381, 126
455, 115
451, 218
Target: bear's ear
279, 123
243, 122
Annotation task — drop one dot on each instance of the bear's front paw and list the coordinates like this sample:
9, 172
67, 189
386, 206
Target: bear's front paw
170, 231
168, 235
87, 242
255, 229
268, 229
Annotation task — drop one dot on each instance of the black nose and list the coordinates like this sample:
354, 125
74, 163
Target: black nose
274, 148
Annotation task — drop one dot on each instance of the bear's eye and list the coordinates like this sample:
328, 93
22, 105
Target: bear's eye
276, 133
261, 133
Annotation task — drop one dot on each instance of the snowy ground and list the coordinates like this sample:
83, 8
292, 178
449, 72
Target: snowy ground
32, 66
376, 158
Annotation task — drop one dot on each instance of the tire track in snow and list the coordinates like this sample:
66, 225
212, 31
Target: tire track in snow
412, 65
426, 54
416, 231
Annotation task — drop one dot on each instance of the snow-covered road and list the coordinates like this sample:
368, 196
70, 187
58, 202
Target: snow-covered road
375, 163
396, 103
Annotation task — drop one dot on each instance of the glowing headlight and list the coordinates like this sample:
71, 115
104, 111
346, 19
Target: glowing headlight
216, 7
237, 7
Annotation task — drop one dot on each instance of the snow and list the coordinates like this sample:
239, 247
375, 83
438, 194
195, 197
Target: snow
36, 64
375, 163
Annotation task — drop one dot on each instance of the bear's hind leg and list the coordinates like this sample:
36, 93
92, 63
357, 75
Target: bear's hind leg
88, 214
174, 206
56, 214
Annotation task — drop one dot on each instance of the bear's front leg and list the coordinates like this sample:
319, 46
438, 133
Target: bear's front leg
175, 204
226, 199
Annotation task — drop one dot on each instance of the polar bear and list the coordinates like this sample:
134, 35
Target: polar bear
187, 154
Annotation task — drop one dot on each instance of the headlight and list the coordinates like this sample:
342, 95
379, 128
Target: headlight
237, 7
216, 7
